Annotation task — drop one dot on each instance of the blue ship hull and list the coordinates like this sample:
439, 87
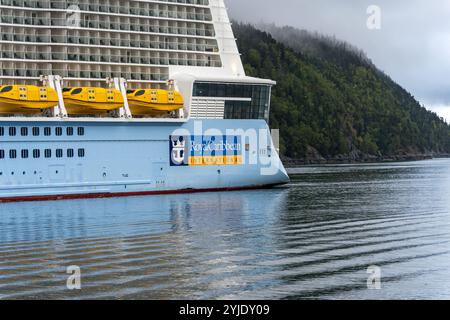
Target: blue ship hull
46, 159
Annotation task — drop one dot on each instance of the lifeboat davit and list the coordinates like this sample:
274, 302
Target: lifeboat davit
154, 101
26, 99
87, 100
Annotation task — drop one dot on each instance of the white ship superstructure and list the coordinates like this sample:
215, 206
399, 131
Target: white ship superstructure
126, 76
95, 39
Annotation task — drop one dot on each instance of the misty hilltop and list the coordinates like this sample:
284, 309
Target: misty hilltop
316, 44
332, 103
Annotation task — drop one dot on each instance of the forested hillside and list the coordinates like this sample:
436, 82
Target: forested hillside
332, 102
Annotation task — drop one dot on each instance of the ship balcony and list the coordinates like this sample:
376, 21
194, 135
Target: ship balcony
170, 44
138, 27
84, 74
145, 9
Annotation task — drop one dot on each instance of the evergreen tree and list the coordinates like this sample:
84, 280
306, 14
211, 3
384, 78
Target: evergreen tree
330, 98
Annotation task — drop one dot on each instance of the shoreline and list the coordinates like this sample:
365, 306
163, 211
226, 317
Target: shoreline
293, 163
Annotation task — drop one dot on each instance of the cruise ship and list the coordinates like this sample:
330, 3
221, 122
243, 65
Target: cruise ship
105, 98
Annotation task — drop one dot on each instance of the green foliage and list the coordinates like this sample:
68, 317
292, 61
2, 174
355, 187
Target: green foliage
332, 98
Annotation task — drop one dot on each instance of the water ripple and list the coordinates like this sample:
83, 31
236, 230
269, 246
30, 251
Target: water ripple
312, 240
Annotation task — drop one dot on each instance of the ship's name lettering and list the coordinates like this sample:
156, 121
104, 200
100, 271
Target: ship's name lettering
210, 146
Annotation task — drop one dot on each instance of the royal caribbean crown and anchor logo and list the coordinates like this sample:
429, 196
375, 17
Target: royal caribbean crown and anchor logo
205, 150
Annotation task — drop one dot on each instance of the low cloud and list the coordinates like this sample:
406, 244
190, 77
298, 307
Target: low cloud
412, 46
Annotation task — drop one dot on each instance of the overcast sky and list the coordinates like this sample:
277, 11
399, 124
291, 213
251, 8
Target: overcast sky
412, 46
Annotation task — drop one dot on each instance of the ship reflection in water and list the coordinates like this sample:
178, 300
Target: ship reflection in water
315, 239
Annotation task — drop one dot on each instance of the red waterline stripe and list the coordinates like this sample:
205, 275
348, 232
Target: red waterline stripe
124, 194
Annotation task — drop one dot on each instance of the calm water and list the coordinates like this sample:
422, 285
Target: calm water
314, 239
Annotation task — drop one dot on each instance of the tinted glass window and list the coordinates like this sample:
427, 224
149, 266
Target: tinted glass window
257, 108
6, 89
81, 153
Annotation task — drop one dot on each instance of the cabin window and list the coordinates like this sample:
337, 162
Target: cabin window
12, 131
81, 131
12, 154
59, 153
81, 153
48, 153
2, 131
36, 131
36, 153
47, 131
6, 89
77, 91
58, 131
69, 131
2, 154
70, 153
24, 132
140, 93
24, 154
